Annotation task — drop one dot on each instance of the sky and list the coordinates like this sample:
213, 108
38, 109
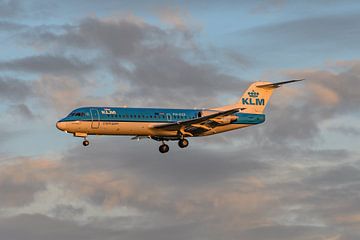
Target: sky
297, 176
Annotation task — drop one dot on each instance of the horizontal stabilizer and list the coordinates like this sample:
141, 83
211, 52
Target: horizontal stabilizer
278, 84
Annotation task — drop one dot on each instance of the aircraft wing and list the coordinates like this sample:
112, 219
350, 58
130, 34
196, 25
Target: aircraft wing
191, 126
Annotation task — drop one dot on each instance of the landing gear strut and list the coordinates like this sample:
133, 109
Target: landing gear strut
164, 148
86, 142
183, 143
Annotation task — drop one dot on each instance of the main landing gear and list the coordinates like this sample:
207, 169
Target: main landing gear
164, 148
183, 143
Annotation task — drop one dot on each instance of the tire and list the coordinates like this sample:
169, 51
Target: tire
86, 143
183, 143
164, 148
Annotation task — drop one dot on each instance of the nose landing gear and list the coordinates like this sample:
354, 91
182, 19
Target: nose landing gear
86, 142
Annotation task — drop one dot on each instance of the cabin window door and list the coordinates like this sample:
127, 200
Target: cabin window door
95, 117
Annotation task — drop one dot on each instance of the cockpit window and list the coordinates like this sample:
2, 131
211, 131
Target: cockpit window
77, 114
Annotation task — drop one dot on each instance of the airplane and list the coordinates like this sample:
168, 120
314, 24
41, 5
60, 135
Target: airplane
164, 124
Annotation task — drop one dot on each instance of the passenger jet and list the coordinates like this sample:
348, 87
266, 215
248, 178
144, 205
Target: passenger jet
164, 124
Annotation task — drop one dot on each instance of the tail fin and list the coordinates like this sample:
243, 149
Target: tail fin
257, 96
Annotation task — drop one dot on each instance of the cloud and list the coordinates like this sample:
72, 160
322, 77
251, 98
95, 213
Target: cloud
298, 114
21, 180
207, 192
21, 110
61, 93
268, 6
345, 130
176, 17
47, 64
12, 89
11, 26
9, 8
267, 182
317, 31
41, 227
145, 60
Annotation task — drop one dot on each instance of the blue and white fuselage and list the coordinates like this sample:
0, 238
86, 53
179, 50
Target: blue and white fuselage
141, 121
164, 124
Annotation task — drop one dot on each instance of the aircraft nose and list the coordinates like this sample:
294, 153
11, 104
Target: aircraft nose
61, 125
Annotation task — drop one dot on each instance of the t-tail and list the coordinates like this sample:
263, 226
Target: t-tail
257, 96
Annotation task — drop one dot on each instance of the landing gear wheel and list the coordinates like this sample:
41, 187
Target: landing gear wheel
164, 148
183, 143
86, 143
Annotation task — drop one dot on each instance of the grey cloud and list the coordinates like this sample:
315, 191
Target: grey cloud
169, 78
279, 232
323, 96
14, 89
352, 131
66, 211
118, 38
18, 194
31, 227
339, 175
47, 64
9, 8
40, 227
322, 32
11, 26
204, 192
21, 110
195, 167
210, 190
62, 92
18, 186
148, 60
268, 6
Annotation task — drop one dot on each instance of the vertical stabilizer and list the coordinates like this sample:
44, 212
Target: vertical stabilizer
256, 97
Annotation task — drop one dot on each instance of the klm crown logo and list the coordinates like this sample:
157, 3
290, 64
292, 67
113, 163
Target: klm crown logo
253, 99
253, 94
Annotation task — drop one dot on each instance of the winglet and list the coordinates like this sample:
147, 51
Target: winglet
278, 84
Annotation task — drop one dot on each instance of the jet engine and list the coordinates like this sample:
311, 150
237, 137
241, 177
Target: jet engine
226, 120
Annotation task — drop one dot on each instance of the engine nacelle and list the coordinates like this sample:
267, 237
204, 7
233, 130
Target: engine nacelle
226, 120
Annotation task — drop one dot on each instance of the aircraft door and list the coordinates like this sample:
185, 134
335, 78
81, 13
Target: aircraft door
95, 117
168, 117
